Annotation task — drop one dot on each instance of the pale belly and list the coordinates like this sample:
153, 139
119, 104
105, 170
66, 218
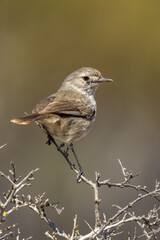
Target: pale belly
67, 129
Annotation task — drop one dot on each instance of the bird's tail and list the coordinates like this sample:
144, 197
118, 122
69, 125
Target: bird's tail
28, 118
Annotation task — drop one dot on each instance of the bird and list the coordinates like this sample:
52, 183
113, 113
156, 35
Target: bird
68, 114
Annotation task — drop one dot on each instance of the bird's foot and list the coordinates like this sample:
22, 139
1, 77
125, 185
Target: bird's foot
80, 173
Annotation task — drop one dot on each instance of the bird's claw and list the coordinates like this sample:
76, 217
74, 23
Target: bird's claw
80, 173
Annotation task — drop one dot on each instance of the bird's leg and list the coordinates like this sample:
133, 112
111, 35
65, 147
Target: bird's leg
79, 165
59, 148
64, 151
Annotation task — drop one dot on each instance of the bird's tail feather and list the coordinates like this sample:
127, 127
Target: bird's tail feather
28, 118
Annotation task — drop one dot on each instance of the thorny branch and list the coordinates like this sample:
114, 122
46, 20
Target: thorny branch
37, 204
103, 228
100, 228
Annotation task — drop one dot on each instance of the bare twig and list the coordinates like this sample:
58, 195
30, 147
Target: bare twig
2, 146
103, 228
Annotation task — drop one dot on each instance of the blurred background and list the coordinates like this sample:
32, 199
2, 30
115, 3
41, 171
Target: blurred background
41, 42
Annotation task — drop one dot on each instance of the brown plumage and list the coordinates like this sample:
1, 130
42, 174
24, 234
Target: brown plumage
69, 114
28, 118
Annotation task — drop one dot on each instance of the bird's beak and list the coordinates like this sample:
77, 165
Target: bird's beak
102, 79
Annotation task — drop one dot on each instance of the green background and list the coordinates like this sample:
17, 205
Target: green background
41, 42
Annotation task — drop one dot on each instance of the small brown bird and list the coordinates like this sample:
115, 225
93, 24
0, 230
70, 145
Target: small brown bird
69, 114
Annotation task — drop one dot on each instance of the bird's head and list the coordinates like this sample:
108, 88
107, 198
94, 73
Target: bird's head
85, 79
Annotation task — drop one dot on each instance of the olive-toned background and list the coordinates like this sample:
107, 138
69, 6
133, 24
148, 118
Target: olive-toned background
41, 42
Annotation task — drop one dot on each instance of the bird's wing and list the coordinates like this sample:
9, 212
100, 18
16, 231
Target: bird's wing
69, 103
43, 103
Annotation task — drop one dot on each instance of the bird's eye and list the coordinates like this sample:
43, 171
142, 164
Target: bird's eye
86, 78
